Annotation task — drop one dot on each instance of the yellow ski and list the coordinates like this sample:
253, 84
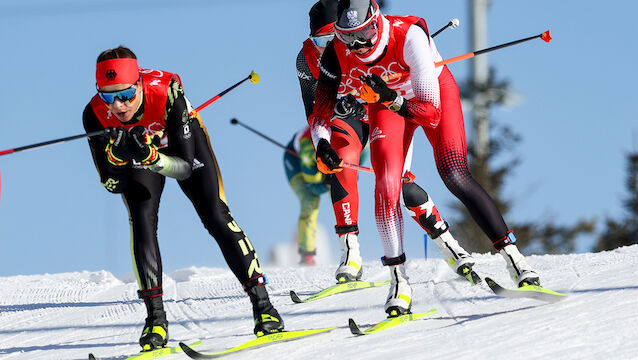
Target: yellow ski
527, 291
145, 355
256, 343
387, 323
337, 289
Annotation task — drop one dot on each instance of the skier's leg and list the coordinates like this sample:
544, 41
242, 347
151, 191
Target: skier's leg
307, 222
450, 151
386, 146
423, 210
142, 201
348, 139
205, 190
387, 155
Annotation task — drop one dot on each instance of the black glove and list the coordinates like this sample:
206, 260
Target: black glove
348, 108
376, 90
144, 148
118, 149
328, 162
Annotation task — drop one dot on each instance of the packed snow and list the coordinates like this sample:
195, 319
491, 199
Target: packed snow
66, 316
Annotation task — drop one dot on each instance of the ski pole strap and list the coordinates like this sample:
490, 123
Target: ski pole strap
347, 229
150, 293
506, 240
393, 261
408, 177
258, 280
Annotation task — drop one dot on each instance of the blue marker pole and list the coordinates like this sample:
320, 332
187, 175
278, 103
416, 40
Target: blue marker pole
425, 245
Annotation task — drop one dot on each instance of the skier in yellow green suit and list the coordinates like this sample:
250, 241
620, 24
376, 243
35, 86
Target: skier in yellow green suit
308, 183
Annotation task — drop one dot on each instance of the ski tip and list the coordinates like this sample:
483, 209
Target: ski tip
354, 328
189, 352
185, 347
493, 285
295, 298
91, 357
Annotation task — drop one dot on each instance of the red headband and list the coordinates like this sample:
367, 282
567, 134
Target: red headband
116, 71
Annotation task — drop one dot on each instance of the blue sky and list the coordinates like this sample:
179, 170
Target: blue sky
575, 117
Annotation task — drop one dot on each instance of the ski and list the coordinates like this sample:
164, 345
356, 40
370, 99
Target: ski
256, 343
336, 289
526, 291
154, 354
387, 323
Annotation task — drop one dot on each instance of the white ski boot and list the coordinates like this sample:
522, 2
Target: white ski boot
456, 257
399, 300
520, 271
350, 266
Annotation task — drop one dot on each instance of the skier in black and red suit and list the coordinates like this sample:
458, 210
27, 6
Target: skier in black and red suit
154, 137
388, 61
350, 131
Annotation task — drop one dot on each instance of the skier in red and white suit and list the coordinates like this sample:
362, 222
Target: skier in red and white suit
389, 62
349, 138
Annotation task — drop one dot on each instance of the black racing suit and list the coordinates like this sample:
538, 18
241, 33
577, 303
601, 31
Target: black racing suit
189, 151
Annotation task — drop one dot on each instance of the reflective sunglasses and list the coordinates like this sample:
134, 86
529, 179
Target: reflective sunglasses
127, 94
322, 41
359, 38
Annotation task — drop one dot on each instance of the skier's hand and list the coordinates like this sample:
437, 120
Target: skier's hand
144, 147
328, 162
118, 149
349, 108
375, 90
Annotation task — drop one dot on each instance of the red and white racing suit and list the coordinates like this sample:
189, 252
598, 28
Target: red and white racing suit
405, 54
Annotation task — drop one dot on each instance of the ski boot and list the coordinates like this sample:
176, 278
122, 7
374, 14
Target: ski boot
456, 257
267, 319
399, 301
350, 265
155, 333
520, 271
307, 258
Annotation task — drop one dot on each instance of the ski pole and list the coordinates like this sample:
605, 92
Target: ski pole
292, 152
452, 24
253, 77
544, 36
55, 141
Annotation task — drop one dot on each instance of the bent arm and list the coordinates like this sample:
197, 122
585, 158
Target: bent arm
115, 179
425, 107
325, 95
176, 161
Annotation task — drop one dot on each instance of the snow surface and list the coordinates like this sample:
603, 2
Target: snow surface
66, 316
